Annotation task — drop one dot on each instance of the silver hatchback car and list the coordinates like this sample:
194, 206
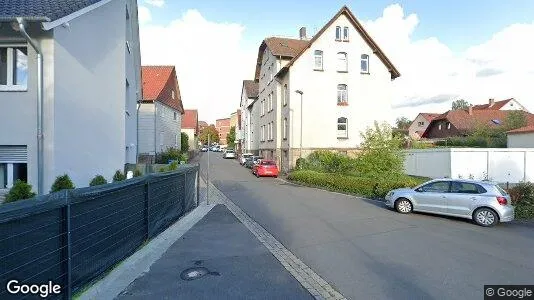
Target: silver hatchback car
483, 202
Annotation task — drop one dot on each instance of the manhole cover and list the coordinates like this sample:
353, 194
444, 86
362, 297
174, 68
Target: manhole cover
194, 273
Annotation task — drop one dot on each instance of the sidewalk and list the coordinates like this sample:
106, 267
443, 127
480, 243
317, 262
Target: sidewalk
238, 266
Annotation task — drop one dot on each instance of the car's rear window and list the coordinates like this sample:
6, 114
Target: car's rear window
267, 163
501, 190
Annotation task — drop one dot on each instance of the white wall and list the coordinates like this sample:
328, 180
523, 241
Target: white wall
146, 128
168, 128
90, 95
521, 140
191, 141
513, 105
497, 164
369, 95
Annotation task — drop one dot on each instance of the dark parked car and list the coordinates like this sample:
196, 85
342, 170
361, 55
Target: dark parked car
251, 161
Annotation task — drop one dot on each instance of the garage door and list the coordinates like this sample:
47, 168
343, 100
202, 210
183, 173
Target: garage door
13, 154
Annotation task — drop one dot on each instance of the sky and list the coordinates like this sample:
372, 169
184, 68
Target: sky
444, 50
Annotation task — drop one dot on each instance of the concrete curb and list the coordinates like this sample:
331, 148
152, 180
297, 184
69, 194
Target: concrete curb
139, 263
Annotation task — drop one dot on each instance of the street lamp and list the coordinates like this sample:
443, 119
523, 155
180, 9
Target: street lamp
301, 100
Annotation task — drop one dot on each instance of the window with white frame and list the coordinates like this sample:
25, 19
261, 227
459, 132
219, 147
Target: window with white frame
271, 134
272, 72
262, 133
176, 139
342, 127
284, 128
342, 62
172, 94
345, 34
270, 104
342, 97
365, 63
420, 124
318, 62
285, 95
263, 107
175, 116
13, 68
338, 33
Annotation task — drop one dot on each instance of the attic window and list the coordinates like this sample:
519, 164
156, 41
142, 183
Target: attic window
172, 93
448, 125
345, 34
338, 33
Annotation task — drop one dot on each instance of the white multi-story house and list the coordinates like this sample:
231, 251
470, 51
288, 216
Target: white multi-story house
249, 132
69, 85
160, 112
320, 93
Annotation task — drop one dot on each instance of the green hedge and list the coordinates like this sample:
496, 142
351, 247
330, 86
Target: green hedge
474, 141
361, 186
523, 199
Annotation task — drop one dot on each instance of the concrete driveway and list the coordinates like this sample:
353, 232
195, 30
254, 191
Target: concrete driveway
367, 251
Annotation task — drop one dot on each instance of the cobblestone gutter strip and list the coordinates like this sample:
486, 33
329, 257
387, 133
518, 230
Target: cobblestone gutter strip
316, 285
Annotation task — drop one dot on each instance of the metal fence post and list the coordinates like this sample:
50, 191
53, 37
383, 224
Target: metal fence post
147, 207
184, 198
198, 184
69, 248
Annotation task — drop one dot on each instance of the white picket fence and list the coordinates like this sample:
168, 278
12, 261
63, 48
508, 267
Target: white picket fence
497, 164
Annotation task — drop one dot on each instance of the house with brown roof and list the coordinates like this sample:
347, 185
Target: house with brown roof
160, 111
190, 127
521, 138
420, 124
249, 112
319, 92
462, 122
507, 104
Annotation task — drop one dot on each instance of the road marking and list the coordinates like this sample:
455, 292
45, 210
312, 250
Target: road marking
311, 281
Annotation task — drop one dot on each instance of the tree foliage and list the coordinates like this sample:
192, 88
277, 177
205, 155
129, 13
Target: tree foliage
119, 176
98, 180
20, 191
515, 119
403, 123
230, 138
460, 104
210, 131
184, 142
62, 183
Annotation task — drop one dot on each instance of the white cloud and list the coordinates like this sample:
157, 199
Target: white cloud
499, 68
144, 15
158, 3
209, 58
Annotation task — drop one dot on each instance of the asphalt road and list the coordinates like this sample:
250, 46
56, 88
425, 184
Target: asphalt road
367, 251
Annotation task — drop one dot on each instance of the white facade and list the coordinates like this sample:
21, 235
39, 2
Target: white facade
513, 105
91, 87
521, 140
191, 137
496, 164
249, 122
167, 123
367, 96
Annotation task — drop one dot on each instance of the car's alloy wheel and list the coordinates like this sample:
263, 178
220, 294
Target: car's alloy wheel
485, 217
404, 206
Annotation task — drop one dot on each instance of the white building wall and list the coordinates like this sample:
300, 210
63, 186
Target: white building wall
90, 95
369, 95
521, 140
513, 105
268, 86
168, 128
146, 129
191, 135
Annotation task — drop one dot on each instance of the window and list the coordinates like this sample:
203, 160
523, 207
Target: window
448, 125
13, 68
436, 187
270, 104
342, 131
285, 95
338, 33
271, 131
342, 62
342, 97
262, 133
128, 47
420, 124
466, 188
172, 94
3, 176
365, 63
271, 71
175, 116
284, 128
439, 127
263, 107
318, 60
345, 34
176, 139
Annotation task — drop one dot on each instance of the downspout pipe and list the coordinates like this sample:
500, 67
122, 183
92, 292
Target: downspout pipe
40, 100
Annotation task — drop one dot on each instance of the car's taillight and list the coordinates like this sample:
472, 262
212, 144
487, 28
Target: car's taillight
502, 200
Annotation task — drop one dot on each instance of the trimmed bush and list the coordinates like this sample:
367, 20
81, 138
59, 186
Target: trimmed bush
119, 176
20, 191
329, 162
523, 199
162, 170
301, 163
173, 166
62, 183
98, 180
361, 186
137, 173
169, 154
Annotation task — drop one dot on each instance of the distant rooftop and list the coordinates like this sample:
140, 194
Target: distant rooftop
41, 10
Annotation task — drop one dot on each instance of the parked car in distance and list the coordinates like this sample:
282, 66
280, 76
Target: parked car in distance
249, 162
243, 158
204, 148
265, 168
229, 153
484, 202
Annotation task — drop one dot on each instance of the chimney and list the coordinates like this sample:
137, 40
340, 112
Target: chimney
302, 33
491, 102
470, 110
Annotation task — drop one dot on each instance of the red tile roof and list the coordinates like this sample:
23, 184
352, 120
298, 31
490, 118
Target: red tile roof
158, 84
252, 88
430, 116
285, 47
497, 105
190, 119
526, 129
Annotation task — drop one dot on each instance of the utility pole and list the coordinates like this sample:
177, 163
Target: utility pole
208, 172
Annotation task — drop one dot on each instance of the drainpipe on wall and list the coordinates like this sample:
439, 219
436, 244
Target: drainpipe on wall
155, 130
40, 155
139, 103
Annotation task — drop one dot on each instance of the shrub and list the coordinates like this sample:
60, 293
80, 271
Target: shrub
162, 170
20, 191
330, 162
361, 186
301, 163
169, 154
523, 199
118, 176
98, 180
62, 183
137, 173
184, 143
173, 166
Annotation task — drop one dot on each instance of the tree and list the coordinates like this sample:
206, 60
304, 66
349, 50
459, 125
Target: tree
515, 119
184, 142
230, 138
62, 182
20, 191
403, 123
98, 180
211, 132
460, 104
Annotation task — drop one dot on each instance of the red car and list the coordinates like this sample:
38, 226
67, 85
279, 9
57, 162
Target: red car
265, 168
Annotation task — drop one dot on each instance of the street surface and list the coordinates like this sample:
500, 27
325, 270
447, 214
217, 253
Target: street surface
366, 251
